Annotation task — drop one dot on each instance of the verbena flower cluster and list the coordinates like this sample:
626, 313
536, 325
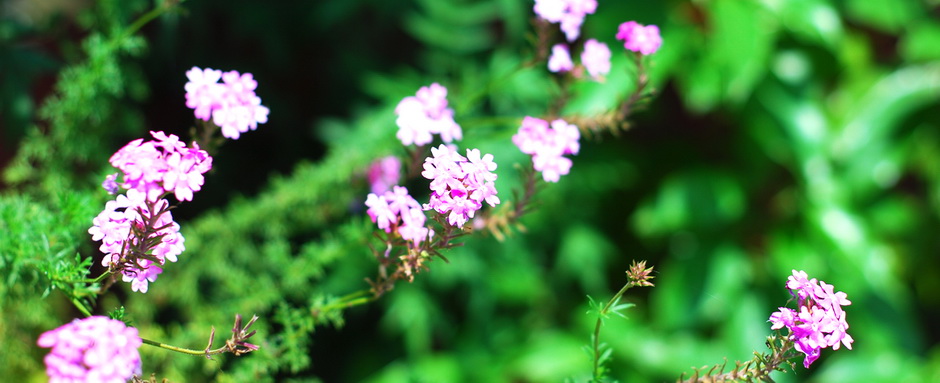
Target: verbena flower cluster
820, 321
383, 173
595, 57
96, 349
395, 211
162, 166
122, 229
232, 104
639, 38
137, 232
568, 13
460, 185
425, 114
548, 145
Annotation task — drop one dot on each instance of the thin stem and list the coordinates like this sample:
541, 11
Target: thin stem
185, 350
597, 327
355, 299
147, 17
81, 307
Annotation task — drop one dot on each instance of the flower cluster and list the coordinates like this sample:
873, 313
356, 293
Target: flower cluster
595, 57
548, 145
383, 173
820, 321
460, 185
95, 349
396, 211
569, 13
639, 38
162, 166
425, 114
232, 104
137, 237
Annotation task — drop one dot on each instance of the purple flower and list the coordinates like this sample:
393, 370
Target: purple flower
162, 166
460, 185
110, 184
820, 322
94, 349
548, 145
639, 38
396, 211
596, 58
113, 227
425, 114
560, 61
232, 104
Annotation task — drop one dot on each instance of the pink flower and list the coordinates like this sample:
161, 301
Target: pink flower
425, 114
113, 228
596, 58
232, 104
639, 38
560, 60
820, 322
568, 13
383, 173
395, 211
95, 349
460, 185
162, 166
548, 145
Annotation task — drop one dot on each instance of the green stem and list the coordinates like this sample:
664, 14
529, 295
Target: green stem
185, 350
355, 299
146, 18
81, 307
597, 328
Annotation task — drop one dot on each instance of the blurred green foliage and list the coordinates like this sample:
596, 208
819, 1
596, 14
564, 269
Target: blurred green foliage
785, 134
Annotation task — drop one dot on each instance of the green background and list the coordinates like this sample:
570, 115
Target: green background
783, 134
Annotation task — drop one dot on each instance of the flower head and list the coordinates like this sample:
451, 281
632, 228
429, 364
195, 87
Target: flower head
548, 144
424, 114
122, 229
460, 185
395, 211
596, 58
560, 61
568, 13
232, 104
94, 349
820, 320
639, 38
164, 165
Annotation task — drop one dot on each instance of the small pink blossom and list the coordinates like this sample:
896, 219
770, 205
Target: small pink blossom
639, 38
162, 166
548, 144
596, 58
820, 321
232, 104
395, 211
113, 228
560, 61
568, 13
460, 185
96, 349
425, 114
383, 173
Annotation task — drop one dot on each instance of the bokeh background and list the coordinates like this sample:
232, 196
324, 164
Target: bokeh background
783, 134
